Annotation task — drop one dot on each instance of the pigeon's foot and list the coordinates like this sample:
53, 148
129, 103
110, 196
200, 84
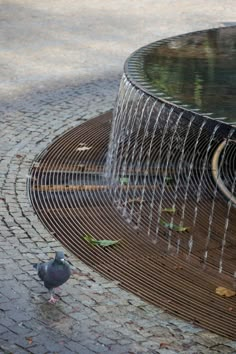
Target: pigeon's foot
53, 300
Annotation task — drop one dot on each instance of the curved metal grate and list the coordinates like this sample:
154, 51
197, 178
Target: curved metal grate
69, 193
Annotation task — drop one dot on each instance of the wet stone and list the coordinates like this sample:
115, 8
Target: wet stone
76, 347
38, 349
3, 329
97, 347
19, 316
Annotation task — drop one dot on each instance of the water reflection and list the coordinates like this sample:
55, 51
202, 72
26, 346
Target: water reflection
198, 70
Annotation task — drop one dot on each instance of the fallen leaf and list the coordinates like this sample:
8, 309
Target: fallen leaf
106, 243
177, 267
163, 345
102, 243
169, 210
124, 180
83, 148
174, 227
168, 180
221, 291
89, 239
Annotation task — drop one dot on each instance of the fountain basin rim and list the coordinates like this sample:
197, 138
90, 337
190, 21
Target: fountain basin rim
140, 52
187, 113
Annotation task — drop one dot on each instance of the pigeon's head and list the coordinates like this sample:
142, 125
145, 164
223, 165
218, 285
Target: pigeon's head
60, 258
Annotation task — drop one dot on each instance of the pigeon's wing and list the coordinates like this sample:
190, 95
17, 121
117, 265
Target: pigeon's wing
43, 270
56, 275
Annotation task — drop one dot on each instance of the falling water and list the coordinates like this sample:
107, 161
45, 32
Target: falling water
214, 201
156, 179
122, 149
138, 166
117, 128
230, 203
225, 231
199, 191
179, 170
125, 171
147, 165
165, 175
189, 176
121, 130
151, 142
132, 168
114, 130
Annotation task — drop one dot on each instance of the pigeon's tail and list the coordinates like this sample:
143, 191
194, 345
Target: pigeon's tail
35, 265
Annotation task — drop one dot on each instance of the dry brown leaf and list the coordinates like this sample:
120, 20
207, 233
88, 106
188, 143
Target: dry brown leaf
177, 267
163, 345
221, 291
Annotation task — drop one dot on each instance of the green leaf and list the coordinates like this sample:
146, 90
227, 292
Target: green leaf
174, 227
89, 239
107, 243
124, 180
102, 243
168, 180
169, 210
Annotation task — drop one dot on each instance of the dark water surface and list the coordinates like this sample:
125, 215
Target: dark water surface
197, 70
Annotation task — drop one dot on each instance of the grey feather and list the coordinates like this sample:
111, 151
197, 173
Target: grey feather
55, 272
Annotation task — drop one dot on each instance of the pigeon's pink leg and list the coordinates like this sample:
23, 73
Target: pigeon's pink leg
52, 299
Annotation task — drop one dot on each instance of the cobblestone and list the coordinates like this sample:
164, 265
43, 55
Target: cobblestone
66, 70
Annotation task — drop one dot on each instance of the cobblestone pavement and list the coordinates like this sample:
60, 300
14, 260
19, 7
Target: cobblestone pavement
61, 64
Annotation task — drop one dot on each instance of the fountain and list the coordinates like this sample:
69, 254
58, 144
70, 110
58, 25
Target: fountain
159, 177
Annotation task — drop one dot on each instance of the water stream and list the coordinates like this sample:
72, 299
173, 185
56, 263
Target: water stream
159, 171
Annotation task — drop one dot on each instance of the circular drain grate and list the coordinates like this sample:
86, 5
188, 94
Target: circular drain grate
69, 193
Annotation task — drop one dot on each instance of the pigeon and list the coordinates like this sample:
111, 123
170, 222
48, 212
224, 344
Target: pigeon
54, 273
